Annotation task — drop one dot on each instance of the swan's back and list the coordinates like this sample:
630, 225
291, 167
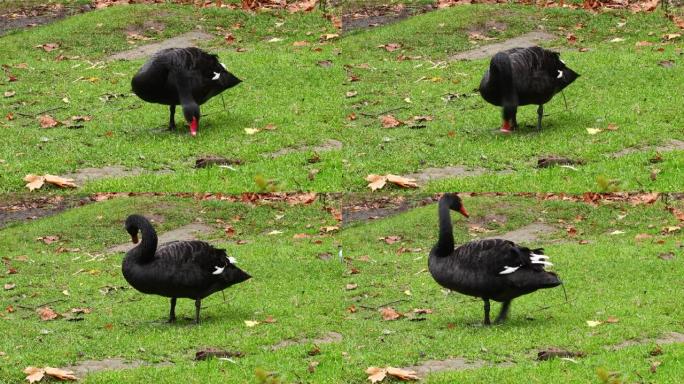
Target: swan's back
184, 269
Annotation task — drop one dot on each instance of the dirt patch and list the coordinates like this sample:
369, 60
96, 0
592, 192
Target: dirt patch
669, 146
553, 352
429, 174
668, 338
36, 207
184, 233
37, 15
452, 364
487, 51
382, 15
328, 338
527, 234
81, 176
188, 39
89, 366
374, 207
329, 145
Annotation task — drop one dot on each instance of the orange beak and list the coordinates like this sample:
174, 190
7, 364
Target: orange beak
463, 212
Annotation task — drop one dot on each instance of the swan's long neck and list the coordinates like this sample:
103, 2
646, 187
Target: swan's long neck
145, 251
445, 244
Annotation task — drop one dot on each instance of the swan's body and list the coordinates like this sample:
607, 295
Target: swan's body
182, 76
178, 269
493, 269
522, 76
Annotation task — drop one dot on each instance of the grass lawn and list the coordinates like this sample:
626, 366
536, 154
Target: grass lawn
620, 84
301, 91
610, 276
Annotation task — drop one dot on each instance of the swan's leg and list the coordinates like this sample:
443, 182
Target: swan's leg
172, 313
540, 113
172, 118
198, 305
486, 310
503, 314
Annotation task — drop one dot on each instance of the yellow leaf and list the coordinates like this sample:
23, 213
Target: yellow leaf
251, 131
251, 323
593, 131
60, 374
592, 323
402, 181
34, 374
403, 374
34, 181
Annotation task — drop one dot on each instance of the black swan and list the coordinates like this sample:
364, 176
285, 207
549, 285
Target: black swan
522, 76
493, 269
185, 76
186, 269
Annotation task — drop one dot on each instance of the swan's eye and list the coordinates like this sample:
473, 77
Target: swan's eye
216, 76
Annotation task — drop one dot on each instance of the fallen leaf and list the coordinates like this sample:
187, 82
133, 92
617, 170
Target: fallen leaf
34, 374
666, 63
671, 36
47, 121
351, 286
612, 127
658, 350
593, 323
391, 239
81, 118
375, 374
301, 236
229, 38
375, 181
9, 93
642, 236
48, 47
329, 36
275, 232
617, 232
666, 256
325, 63
654, 366
351, 309
389, 121
389, 314
300, 43
251, 131
643, 44
37, 181
274, 40
9, 286
351, 94
48, 239
612, 320
270, 320
402, 181
60, 374
572, 231
617, 40
390, 47
312, 366
46, 313
593, 131
420, 311
571, 38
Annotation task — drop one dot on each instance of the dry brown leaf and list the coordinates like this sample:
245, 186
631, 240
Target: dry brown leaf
402, 181
375, 374
612, 320
390, 47
34, 181
300, 43
34, 374
402, 374
389, 314
302, 6
47, 121
389, 121
376, 181
60, 374
47, 47
351, 286
47, 313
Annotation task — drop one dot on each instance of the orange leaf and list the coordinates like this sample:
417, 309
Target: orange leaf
60, 374
34, 374
403, 374
389, 314
46, 313
402, 181
47, 121
376, 181
389, 121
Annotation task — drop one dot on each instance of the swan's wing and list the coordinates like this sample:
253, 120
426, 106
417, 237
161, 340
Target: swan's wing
192, 257
501, 257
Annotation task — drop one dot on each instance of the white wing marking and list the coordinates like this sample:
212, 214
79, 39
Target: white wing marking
218, 270
216, 76
232, 260
224, 66
560, 74
508, 270
542, 262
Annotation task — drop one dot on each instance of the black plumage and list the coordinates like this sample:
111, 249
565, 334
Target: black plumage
522, 76
178, 269
493, 269
182, 76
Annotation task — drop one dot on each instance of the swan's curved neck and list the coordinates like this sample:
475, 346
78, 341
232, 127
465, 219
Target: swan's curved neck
445, 244
148, 245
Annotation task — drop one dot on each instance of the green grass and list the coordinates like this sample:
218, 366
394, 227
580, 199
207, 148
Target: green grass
619, 84
285, 86
611, 276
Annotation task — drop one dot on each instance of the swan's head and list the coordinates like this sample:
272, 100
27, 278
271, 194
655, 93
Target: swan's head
455, 203
132, 227
191, 112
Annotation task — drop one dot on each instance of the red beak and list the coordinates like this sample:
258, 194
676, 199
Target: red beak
193, 126
463, 212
